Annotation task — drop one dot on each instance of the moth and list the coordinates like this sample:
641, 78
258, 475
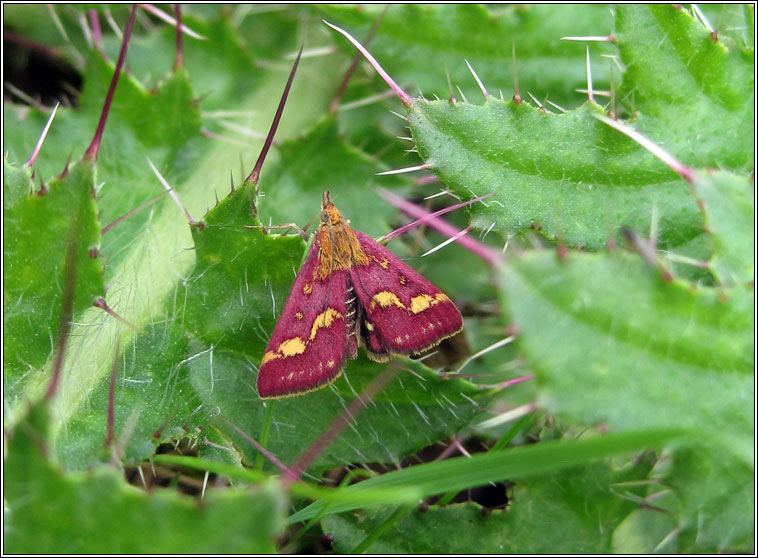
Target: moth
350, 291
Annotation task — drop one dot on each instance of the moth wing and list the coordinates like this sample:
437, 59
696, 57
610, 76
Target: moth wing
401, 312
310, 342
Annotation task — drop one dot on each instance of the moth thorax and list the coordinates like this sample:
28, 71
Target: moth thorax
340, 250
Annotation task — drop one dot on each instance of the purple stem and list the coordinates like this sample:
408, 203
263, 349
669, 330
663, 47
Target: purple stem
288, 473
417, 222
94, 147
489, 255
340, 423
255, 175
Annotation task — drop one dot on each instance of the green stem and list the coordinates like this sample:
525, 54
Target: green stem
268, 418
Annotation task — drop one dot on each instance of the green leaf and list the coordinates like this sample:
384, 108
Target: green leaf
612, 342
691, 92
417, 44
36, 229
568, 175
45, 506
728, 205
577, 511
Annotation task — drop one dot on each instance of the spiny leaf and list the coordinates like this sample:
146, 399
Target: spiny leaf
45, 506
689, 90
567, 174
612, 342
36, 228
728, 205
417, 44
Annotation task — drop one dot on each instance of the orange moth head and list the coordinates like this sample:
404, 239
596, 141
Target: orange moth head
330, 215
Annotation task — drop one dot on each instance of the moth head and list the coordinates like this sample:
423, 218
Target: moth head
330, 215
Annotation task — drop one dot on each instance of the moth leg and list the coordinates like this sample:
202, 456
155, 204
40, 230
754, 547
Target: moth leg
286, 226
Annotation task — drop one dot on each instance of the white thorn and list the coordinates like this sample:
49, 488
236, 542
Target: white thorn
448, 241
172, 193
406, 169
37, 148
681, 169
478, 81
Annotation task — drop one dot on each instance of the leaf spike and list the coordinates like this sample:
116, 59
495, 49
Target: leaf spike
590, 96
487, 254
64, 174
179, 60
541, 107
94, 147
703, 20
517, 99
509, 416
175, 197
109, 427
100, 303
462, 95
664, 156
356, 60
255, 175
97, 35
112, 23
131, 213
231, 180
478, 81
42, 137
448, 241
483, 352
57, 22
42, 188
592, 38
424, 166
647, 253
402, 95
341, 422
171, 21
